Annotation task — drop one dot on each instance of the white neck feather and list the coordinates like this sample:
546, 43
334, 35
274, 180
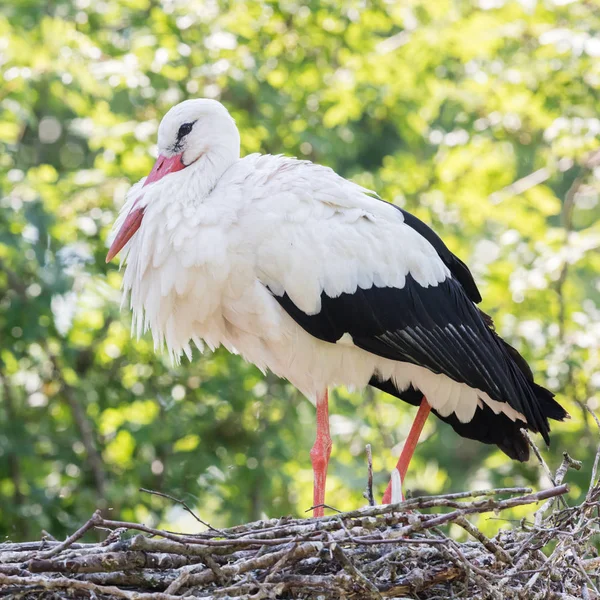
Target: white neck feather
205, 172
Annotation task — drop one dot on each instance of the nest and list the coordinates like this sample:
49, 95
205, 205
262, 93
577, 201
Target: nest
392, 551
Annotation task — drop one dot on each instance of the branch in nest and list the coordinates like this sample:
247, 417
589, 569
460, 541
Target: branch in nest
374, 552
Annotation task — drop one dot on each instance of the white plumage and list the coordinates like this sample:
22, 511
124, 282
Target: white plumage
198, 268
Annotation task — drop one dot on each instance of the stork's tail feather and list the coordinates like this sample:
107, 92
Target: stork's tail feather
549, 407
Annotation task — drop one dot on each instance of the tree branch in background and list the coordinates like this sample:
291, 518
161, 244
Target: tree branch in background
566, 219
12, 458
14, 281
86, 432
590, 162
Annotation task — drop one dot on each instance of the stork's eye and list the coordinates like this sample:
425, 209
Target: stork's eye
184, 130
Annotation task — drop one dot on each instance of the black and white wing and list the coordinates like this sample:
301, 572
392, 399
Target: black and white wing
353, 269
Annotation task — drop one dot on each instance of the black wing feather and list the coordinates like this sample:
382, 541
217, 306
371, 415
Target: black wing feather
436, 327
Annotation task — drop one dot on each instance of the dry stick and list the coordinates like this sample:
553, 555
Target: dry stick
242, 590
337, 510
278, 565
181, 580
479, 574
539, 456
566, 464
186, 507
75, 584
498, 552
108, 561
48, 536
95, 519
478, 493
481, 506
368, 493
192, 540
260, 562
579, 564
428, 502
596, 458
412, 503
485, 505
373, 541
350, 568
211, 563
541, 460
140, 579
425, 522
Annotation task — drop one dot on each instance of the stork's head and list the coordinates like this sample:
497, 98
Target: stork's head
199, 133
191, 130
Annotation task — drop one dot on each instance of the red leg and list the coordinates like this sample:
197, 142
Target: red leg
319, 455
409, 446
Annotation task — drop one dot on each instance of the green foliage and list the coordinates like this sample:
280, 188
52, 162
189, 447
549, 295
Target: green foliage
479, 120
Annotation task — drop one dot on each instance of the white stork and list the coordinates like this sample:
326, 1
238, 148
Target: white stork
315, 278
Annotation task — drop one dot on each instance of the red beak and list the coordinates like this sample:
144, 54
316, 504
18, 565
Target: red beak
163, 166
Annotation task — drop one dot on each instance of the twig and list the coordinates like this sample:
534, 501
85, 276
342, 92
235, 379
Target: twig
498, 552
368, 493
486, 505
189, 539
541, 460
185, 506
522, 185
566, 463
74, 584
323, 506
48, 536
348, 566
478, 507
596, 458
95, 519
260, 562
278, 565
539, 456
481, 575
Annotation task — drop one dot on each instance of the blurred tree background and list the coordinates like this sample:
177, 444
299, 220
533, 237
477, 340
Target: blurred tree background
481, 118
